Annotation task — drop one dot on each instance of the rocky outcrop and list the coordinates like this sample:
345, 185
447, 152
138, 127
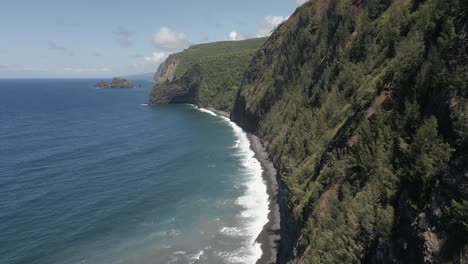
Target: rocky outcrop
102, 84
166, 70
183, 90
115, 83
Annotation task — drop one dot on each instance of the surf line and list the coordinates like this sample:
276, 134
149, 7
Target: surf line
255, 200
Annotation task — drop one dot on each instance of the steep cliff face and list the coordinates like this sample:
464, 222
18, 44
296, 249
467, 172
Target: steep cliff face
221, 64
183, 90
363, 106
166, 71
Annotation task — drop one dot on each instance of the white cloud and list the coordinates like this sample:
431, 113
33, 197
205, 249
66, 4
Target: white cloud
145, 63
301, 2
85, 70
82, 71
233, 35
264, 28
268, 24
155, 57
169, 40
21, 71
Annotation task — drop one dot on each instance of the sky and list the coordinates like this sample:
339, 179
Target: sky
105, 38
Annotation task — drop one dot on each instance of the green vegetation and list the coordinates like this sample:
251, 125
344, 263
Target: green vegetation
214, 51
458, 213
363, 105
222, 65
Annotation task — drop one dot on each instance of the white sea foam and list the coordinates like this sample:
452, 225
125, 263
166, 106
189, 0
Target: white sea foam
196, 256
236, 144
206, 111
254, 201
231, 231
143, 104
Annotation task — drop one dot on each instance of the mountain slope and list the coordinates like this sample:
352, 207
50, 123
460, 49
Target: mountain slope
221, 66
363, 106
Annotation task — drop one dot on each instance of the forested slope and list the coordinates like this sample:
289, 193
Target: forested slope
221, 66
363, 107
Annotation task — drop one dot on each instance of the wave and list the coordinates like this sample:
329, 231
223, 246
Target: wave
207, 111
183, 256
236, 144
254, 201
231, 231
197, 256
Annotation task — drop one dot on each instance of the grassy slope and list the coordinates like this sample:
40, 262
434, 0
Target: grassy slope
364, 108
222, 64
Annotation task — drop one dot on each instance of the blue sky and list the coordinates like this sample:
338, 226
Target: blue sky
101, 38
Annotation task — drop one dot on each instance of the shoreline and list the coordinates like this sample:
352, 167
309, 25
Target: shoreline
270, 235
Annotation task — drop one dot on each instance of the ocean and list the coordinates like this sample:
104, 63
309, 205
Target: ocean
98, 176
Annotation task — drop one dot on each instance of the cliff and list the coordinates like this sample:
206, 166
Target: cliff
166, 71
183, 90
220, 66
363, 108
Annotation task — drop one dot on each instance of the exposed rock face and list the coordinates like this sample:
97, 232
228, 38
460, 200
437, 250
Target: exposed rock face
115, 83
183, 90
166, 70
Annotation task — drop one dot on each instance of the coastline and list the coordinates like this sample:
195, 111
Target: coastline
270, 235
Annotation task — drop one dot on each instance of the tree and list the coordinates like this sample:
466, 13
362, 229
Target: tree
428, 154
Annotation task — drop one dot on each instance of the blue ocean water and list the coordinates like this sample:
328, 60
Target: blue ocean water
97, 176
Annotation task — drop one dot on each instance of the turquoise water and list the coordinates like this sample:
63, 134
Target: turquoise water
97, 176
